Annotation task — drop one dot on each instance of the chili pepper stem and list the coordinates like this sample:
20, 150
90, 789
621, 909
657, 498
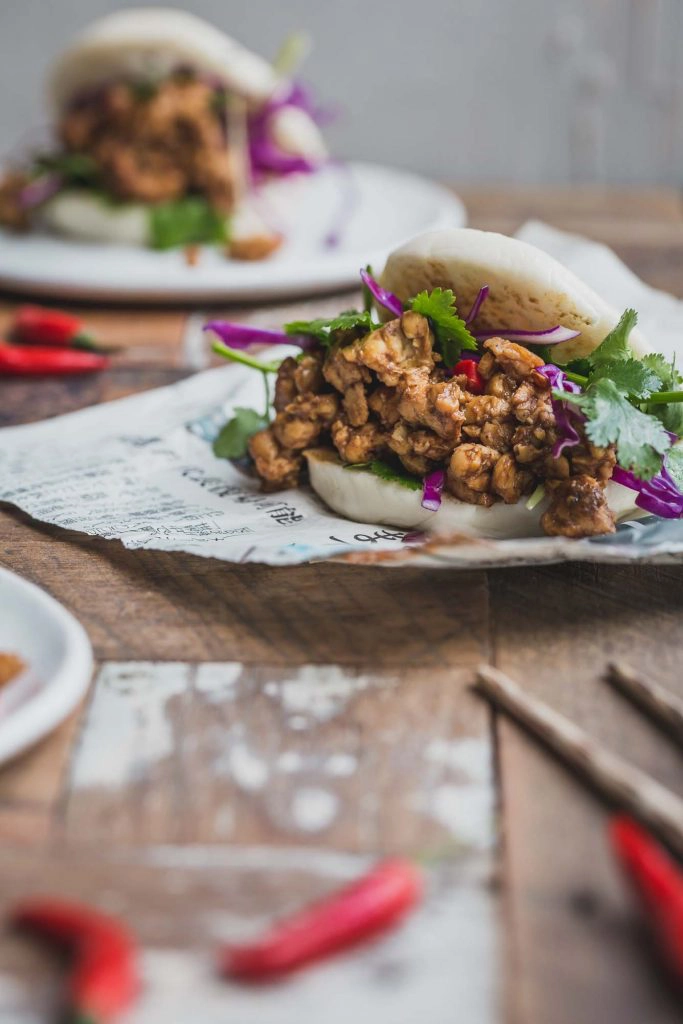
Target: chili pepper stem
78, 1017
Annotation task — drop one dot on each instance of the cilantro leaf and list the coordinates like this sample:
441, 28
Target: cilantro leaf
630, 376
674, 463
387, 472
615, 345
580, 366
450, 331
641, 440
368, 298
671, 415
231, 442
186, 221
73, 168
327, 331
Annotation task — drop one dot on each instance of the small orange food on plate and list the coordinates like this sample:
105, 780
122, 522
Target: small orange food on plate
10, 666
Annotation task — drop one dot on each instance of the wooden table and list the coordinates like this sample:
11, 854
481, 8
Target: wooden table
254, 735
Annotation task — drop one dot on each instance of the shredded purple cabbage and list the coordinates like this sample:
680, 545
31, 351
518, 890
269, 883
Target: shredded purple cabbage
40, 190
242, 336
432, 488
299, 95
660, 496
414, 537
550, 336
381, 295
478, 303
264, 156
567, 419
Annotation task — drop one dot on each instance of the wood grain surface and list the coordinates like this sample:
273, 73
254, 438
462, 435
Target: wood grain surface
255, 733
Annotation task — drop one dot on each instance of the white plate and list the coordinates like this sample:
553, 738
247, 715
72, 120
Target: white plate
385, 207
57, 652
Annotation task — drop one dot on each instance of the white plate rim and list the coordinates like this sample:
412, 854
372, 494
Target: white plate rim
61, 692
288, 279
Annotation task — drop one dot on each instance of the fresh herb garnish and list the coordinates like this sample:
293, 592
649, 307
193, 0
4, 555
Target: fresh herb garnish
450, 331
674, 463
368, 298
236, 356
346, 327
630, 376
640, 440
624, 402
387, 472
232, 441
187, 221
76, 169
615, 345
671, 414
143, 90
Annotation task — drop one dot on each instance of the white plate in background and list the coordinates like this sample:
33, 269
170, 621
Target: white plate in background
381, 208
58, 656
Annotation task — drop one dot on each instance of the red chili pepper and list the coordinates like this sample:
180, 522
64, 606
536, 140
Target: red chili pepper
36, 325
658, 880
38, 359
468, 367
353, 914
104, 978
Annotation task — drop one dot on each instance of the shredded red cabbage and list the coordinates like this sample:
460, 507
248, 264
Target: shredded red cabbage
550, 336
432, 487
478, 303
39, 191
264, 156
381, 295
297, 94
566, 419
242, 336
414, 537
660, 496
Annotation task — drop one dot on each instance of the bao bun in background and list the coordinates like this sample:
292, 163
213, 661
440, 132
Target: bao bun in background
528, 290
147, 45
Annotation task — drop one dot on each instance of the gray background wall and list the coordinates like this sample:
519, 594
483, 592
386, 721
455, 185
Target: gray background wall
488, 90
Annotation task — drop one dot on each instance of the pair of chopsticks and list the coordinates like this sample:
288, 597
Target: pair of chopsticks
657, 878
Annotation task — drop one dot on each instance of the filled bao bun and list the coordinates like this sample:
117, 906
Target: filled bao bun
529, 290
148, 44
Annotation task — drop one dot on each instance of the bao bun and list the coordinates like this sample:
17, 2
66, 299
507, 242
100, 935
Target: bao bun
88, 217
365, 498
149, 43
529, 290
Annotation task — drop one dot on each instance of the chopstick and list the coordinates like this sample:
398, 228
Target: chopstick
662, 706
616, 780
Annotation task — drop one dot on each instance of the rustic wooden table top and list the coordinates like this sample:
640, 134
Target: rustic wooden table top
253, 735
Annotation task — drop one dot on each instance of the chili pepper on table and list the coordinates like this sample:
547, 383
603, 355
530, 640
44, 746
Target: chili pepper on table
38, 325
355, 913
39, 359
658, 881
469, 369
104, 978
